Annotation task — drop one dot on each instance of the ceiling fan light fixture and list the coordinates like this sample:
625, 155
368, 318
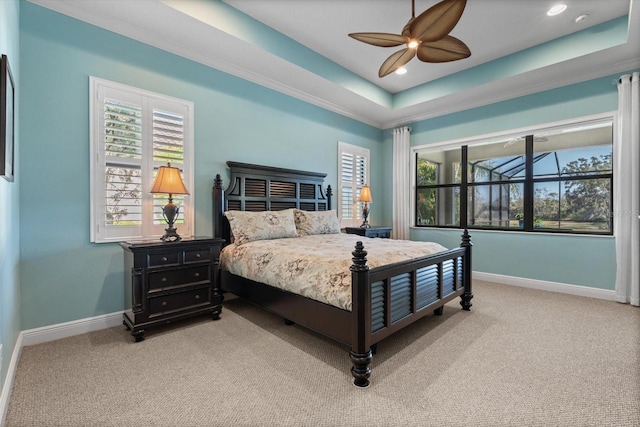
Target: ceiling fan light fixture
400, 71
425, 36
557, 9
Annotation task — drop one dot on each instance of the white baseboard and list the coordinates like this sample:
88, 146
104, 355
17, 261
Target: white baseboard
69, 329
8, 382
543, 285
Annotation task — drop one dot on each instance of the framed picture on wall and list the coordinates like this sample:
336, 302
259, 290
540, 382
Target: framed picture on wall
7, 97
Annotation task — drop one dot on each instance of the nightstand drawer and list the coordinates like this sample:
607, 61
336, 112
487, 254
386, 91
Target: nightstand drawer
383, 234
163, 259
179, 301
199, 255
184, 276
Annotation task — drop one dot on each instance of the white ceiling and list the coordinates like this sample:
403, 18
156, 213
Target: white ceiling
211, 33
491, 28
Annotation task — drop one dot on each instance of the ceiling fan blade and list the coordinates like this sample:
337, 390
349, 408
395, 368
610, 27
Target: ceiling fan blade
446, 50
396, 61
380, 39
437, 21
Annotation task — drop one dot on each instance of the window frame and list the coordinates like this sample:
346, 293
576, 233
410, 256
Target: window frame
465, 186
149, 102
355, 151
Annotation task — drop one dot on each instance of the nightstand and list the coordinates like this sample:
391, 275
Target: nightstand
170, 281
381, 232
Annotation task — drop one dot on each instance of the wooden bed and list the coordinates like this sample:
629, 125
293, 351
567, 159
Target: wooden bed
384, 299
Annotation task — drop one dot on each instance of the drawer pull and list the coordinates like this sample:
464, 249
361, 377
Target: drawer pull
164, 279
197, 255
163, 259
164, 303
196, 275
197, 296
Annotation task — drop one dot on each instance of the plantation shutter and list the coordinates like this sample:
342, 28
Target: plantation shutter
122, 138
360, 163
346, 192
354, 173
168, 147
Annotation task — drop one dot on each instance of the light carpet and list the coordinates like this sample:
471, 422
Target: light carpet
521, 357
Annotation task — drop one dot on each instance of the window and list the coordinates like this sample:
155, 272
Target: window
353, 165
552, 180
133, 133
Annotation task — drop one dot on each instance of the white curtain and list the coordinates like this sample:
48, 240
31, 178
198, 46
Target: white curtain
627, 191
401, 183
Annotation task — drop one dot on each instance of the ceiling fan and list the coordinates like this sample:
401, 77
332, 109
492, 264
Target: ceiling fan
426, 35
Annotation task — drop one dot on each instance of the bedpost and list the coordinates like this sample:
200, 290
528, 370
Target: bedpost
218, 206
465, 299
329, 196
361, 318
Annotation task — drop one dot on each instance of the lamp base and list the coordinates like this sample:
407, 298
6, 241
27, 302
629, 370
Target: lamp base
365, 215
170, 212
171, 235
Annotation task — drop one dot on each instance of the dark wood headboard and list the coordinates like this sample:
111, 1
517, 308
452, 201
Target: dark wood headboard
262, 188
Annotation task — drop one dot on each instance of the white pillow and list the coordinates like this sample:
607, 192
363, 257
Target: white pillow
249, 226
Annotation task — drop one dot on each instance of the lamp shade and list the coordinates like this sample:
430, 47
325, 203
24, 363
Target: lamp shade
168, 180
365, 194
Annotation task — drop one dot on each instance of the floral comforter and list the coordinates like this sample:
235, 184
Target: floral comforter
316, 266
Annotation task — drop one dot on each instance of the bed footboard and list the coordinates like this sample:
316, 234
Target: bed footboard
388, 298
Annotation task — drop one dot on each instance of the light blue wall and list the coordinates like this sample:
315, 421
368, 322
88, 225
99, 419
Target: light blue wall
65, 277
9, 200
580, 260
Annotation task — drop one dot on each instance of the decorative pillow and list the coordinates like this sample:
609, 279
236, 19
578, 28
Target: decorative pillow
316, 222
250, 226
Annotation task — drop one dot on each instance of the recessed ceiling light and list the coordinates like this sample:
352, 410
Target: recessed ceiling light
582, 17
400, 71
557, 9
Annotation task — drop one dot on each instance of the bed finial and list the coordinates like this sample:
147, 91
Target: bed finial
466, 239
217, 182
359, 258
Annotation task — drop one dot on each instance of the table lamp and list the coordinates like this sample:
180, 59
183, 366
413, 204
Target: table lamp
168, 180
365, 196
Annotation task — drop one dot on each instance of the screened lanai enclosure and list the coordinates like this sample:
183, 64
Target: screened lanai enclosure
558, 179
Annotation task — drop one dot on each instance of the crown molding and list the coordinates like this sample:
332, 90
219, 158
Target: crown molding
236, 57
